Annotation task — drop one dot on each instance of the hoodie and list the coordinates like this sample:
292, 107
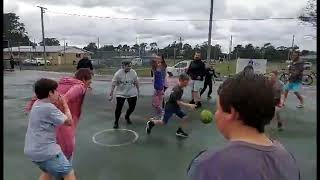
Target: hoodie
74, 92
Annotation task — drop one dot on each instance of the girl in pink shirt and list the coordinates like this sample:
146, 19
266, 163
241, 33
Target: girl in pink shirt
73, 90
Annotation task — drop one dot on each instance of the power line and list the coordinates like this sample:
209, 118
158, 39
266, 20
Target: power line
174, 20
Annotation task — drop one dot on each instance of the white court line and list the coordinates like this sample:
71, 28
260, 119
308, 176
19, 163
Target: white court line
114, 145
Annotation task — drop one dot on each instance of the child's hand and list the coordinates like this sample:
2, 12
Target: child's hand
192, 106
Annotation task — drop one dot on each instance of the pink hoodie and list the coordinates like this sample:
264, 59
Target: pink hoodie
74, 92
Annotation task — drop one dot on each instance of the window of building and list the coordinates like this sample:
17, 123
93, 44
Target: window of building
78, 55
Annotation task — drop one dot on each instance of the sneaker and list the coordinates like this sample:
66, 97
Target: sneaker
198, 105
128, 120
149, 126
300, 106
115, 126
209, 97
180, 133
280, 129
191, 102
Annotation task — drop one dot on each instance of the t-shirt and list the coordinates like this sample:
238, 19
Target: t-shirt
196, 68
40, 140
158, 80
175, 95
125, 83
245, 161
296, 71
277, 88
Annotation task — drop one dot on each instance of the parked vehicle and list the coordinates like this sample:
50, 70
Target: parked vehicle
179, 68
137, 62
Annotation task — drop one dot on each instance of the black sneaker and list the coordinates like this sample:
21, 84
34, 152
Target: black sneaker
180, 133
128, 120
198, 105
115, 126
149, 126
191, 102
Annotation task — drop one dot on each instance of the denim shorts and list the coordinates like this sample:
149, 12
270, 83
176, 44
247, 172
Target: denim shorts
58, 166
168, 112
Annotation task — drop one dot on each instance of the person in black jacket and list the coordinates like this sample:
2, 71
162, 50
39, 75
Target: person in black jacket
197, 72
210, 73
85, 63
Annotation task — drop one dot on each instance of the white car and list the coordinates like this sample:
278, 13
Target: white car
179, 68
137, 61
39, 61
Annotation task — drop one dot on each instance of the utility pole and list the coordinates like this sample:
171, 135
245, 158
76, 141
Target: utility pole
291, 47
210, 28
43, 40
64, 51
98, 43
230, 46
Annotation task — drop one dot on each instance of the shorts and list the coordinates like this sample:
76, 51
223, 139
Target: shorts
58, 166
168, 112
196, 85
293, 86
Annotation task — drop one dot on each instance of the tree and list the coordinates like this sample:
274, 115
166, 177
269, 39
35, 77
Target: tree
107, 48
91, 47
309, 14
14, 31
50, 42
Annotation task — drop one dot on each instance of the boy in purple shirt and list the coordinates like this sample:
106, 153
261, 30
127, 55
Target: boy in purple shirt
245, 105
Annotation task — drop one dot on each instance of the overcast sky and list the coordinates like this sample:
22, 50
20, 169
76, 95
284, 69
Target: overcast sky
80, 31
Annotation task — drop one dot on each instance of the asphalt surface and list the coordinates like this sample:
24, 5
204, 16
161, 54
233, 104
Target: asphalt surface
159, 156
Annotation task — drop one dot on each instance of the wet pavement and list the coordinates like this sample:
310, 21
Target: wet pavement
159, 156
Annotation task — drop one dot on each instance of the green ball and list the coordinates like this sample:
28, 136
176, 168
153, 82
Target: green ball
206, 116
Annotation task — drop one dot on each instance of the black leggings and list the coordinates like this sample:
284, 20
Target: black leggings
205, 87
120, 101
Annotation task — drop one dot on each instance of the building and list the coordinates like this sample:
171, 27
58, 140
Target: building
56, 54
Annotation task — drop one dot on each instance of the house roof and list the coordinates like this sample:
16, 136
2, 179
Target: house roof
49, 49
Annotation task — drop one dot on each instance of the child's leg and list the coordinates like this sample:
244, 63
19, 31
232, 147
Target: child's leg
184, 119
70, 176
45, 176
156, 102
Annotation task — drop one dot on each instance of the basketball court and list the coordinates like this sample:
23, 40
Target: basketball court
102, 153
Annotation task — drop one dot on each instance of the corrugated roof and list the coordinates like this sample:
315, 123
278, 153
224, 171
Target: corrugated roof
49, 49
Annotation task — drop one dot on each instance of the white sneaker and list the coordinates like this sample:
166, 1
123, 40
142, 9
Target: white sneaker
300, 106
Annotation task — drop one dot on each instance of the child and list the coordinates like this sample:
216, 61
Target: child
210, 73
40, 142
277, 88
158, 83
245, 105
173, 107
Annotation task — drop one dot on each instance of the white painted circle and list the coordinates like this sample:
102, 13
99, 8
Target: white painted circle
115, 145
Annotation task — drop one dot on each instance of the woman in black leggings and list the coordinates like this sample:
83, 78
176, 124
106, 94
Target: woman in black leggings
125, 81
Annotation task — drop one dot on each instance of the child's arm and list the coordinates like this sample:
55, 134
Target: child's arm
191, 106
67, 112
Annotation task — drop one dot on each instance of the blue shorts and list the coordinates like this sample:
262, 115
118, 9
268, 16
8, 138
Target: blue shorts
168, 112
293, 86
59, 166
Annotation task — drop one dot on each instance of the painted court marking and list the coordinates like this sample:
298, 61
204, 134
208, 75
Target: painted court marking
115, 145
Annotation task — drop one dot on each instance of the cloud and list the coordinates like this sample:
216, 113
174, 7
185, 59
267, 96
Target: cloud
83, 30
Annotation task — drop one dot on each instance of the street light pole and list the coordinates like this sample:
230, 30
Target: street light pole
43, 39
210, 28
